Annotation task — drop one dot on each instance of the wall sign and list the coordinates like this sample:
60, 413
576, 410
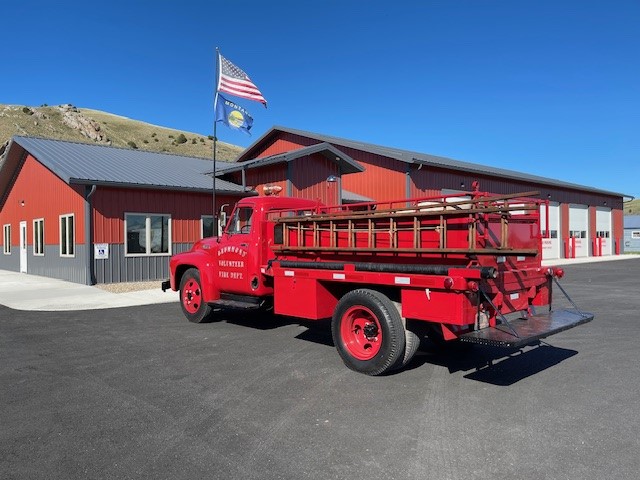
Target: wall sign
101, 251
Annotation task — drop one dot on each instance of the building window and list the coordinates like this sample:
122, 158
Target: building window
67, 235
206, 226
635, 234
147, 234
38, 237
578, 234
6, 244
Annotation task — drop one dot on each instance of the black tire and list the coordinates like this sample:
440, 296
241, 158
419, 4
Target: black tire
368, 332
191, 302
411, 340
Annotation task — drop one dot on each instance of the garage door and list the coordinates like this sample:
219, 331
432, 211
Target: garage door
604, 236
550, 241
578, 229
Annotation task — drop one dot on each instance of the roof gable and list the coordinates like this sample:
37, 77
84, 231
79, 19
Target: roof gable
347, 164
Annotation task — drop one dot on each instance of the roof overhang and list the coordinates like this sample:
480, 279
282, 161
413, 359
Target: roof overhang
346, 163
175, 188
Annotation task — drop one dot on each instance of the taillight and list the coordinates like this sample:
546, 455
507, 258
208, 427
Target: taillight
448, 283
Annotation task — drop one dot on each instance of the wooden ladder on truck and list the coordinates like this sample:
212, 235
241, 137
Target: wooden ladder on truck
445, 225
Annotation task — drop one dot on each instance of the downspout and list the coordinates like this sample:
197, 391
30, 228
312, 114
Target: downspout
88, 234
407, 185
289, 177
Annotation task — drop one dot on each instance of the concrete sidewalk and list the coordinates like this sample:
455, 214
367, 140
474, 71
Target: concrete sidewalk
21, 291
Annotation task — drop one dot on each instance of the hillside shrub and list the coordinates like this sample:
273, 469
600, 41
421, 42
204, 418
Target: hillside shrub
181, 139
132, 144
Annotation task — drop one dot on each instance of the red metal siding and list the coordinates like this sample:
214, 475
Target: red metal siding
618, 228
256, 179
285, 142
564, 221
309, 179
383, 179
45, 196
185, 208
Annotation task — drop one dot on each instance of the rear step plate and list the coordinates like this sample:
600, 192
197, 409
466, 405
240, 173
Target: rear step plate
528, 330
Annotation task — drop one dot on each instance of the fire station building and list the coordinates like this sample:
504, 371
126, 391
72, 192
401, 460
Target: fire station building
96, 214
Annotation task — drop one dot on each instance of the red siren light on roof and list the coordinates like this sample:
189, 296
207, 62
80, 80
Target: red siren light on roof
272, 189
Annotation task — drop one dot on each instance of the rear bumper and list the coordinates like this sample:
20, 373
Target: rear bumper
524, 331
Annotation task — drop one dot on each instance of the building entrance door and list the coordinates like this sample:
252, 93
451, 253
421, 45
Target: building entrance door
23, 247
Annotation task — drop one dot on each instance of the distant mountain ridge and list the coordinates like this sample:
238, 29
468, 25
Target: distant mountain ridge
67, 122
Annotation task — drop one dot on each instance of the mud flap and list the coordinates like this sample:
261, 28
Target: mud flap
524, 331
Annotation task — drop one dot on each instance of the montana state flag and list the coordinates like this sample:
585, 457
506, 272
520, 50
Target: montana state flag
233, 115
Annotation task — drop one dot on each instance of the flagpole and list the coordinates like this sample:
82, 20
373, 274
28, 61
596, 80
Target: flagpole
215, 141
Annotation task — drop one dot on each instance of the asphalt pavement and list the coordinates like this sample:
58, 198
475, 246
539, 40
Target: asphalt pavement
140, 393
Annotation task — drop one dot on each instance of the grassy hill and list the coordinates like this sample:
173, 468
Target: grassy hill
66, 122
632, 207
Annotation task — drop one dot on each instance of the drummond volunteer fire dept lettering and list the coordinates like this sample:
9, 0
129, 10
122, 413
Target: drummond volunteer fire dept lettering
232, 269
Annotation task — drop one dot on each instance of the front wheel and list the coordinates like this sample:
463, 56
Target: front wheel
191, 300
368, 332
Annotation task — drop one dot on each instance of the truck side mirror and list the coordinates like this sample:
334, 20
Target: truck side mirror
223, 219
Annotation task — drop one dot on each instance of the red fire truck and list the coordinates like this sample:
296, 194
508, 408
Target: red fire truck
464, 268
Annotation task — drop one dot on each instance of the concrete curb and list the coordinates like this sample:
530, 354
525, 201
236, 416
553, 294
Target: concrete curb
21, 291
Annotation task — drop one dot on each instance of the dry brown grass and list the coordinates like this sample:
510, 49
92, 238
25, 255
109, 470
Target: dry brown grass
120, 130
632, 207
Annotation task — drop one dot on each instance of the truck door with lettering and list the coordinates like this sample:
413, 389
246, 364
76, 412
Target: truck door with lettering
236, 255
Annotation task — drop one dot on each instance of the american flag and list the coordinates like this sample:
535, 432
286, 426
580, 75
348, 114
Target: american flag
233, 80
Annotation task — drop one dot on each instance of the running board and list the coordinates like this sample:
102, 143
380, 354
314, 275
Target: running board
524, 331
238, 302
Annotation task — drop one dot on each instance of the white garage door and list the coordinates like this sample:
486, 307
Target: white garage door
604, 235
578, 231
550, 241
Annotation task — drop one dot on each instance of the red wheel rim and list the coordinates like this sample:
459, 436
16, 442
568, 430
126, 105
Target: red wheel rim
191, 296
361, 333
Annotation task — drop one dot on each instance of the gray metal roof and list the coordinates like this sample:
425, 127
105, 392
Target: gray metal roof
351, 197
426, 159
84, 163
632, 221
348, 164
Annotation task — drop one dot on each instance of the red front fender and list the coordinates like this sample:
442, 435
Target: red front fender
182, 262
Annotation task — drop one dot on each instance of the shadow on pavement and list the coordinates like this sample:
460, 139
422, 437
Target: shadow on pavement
496, 366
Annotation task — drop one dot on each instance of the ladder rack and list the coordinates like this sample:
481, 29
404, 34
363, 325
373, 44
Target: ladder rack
484, 224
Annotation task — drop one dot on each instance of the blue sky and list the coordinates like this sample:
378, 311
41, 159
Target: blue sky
545, 87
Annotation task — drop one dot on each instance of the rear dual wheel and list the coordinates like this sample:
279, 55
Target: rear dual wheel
369, 333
